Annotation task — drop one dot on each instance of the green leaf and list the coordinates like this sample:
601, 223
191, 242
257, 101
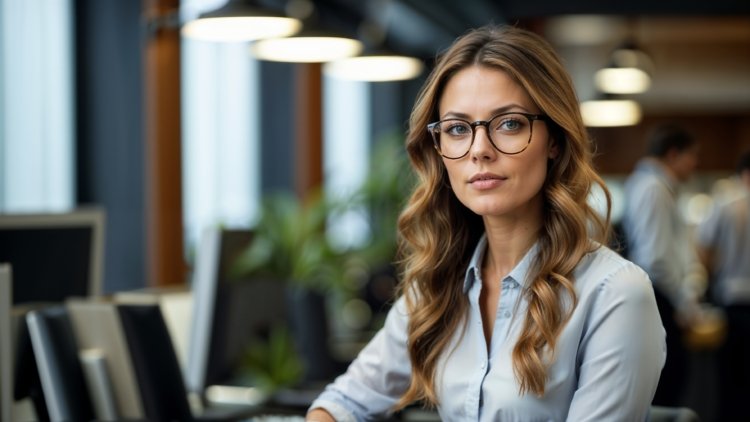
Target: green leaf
273, 363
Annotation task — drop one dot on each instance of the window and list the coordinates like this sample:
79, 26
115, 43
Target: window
37, 158
221, 168
346, 151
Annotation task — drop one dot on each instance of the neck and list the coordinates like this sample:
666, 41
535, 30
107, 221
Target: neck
507, 244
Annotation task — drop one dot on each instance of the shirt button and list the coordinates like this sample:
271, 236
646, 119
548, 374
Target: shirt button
507, 314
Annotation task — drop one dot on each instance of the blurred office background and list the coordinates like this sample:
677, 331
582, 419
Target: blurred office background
105, 103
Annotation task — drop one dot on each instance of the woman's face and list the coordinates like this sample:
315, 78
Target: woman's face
486, 181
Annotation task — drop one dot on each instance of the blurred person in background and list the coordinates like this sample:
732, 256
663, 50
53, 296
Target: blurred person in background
510, 307
724, 245
660, 242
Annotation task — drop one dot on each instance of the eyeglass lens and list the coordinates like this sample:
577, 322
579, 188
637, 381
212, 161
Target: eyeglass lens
510, 133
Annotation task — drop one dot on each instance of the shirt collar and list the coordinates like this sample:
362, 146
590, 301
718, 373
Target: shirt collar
519, 274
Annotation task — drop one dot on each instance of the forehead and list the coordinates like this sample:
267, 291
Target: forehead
480, 89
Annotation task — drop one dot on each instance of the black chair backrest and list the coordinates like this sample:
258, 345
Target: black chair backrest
55, 351
155, 363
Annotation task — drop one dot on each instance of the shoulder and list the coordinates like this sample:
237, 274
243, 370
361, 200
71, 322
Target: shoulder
604, 270
739, 206
723, 212
649, 186
645, 190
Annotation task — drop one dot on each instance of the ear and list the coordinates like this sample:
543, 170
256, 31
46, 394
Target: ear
553, 148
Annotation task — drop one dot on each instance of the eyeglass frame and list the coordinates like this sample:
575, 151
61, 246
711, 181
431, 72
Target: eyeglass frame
486, 123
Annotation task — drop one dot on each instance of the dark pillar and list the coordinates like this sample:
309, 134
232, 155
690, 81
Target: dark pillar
164, 228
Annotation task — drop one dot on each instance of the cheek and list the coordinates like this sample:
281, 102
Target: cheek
456, 181
451, 172
532, 172
536, 175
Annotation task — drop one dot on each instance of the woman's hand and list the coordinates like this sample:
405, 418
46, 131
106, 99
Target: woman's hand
319, 415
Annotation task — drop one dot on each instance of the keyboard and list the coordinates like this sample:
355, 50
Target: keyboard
276, 418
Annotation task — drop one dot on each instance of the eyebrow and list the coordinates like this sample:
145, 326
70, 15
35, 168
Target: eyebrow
494, 112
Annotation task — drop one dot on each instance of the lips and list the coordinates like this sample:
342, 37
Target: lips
485, 177
484, 181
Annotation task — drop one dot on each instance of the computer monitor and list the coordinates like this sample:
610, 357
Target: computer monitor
54, 256
97, 327
227, 313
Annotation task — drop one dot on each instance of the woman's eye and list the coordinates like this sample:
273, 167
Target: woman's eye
509, 125
457, 129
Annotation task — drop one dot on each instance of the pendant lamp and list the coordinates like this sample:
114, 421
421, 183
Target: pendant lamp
629, 71
376, 64
241, 21
610, 111
378, 67
307, 46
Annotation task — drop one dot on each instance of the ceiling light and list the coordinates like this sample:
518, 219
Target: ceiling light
240, 21
375, 68
628, 72
377, 63
627, 80
609, 112
307, 47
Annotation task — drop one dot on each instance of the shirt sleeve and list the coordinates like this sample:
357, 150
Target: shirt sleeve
377, 378
622, 351
707, 231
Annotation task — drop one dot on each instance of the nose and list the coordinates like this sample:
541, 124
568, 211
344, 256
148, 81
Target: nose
481, 148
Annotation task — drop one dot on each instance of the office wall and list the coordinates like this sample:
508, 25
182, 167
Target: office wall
722, 138
110, 138
277, 126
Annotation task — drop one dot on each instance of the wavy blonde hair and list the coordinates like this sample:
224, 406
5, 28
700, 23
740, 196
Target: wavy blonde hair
438, 233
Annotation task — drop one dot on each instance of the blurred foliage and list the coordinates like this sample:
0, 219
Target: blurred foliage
272, 364
290, 244
290, 241
383, 194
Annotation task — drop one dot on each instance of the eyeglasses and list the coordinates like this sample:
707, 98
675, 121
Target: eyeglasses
509, 133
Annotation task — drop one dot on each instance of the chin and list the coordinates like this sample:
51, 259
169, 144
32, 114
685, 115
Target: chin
488, 210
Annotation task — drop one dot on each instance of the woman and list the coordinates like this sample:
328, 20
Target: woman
510, 307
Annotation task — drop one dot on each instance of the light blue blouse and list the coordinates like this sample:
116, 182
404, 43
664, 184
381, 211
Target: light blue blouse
608, 358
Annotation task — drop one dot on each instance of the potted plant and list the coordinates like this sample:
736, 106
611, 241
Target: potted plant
290, 244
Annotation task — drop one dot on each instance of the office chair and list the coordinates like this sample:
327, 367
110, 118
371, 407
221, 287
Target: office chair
155, 363
157, 368
55, 352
